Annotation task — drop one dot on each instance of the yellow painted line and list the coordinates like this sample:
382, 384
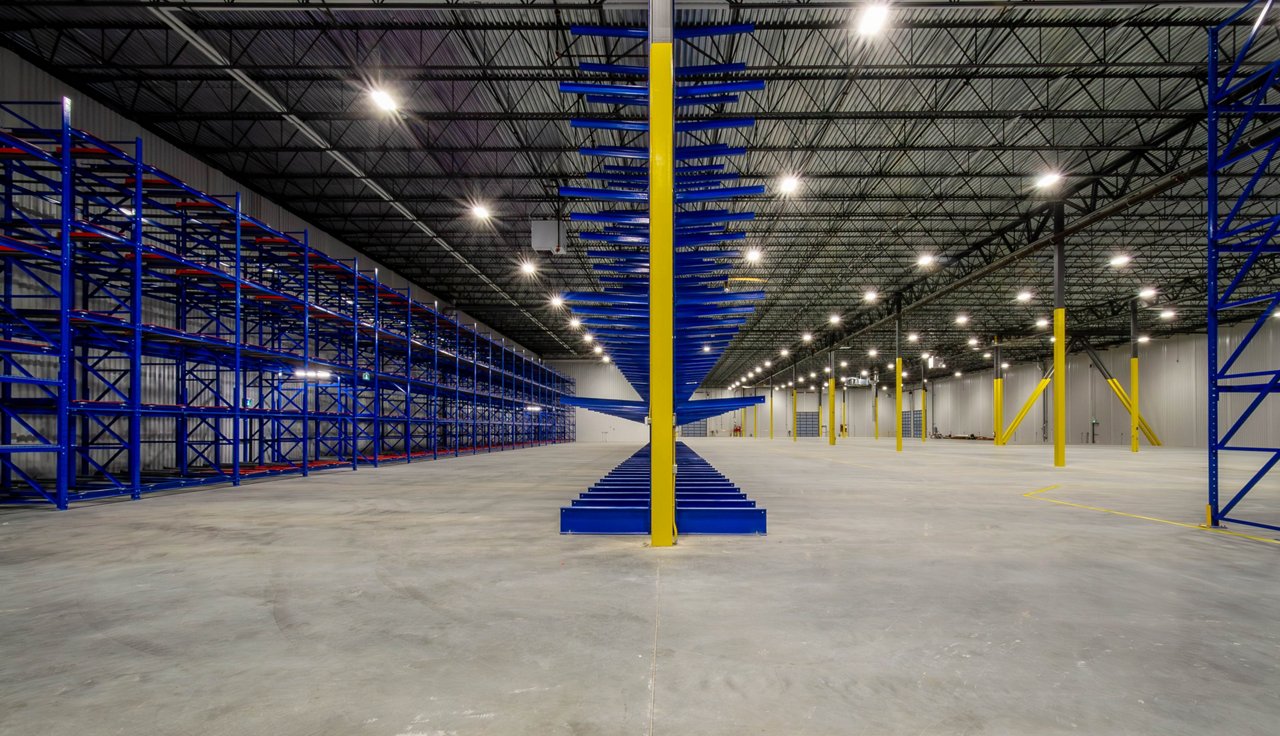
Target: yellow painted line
1036, 495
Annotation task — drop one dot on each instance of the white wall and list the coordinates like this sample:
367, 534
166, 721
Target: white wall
1172, 382
598, 380
1173, 390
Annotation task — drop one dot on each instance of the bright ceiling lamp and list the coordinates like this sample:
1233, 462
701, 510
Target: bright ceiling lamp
575, 323
926, 259
973, 341
706, 348
834, 319
557, 301
874, 17
1042, 323
753, 255
962, 319
789, 184
528, 268
913, 337
1147, 292
1024, 296
870, 295
1048, 180
480, 212
807, 337
383, 100
597, 350
1120, 261
768, 364
784, 352
1168, 314
873, 352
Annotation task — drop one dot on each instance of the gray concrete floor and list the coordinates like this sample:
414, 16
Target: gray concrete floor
913, 594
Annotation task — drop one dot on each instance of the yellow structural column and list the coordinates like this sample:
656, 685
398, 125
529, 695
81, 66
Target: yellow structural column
662, 506
997, 408
897, 401
1135, 422
831, 411
1060, 387
755, 422
793, 415
924, 410
771, 393
844, 405
875, 411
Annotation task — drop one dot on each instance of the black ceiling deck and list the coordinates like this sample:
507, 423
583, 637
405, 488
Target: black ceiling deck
924, 140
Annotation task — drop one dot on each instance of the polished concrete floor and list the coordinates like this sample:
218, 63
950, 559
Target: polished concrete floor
917, 594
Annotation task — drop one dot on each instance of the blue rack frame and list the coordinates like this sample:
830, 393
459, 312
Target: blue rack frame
153, 336
1243, 221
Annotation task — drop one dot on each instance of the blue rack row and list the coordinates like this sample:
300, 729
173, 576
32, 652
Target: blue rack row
706, 502
1243, 223
154, 336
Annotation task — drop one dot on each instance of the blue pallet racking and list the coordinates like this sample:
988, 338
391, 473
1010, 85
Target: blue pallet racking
1244, 139
155, 336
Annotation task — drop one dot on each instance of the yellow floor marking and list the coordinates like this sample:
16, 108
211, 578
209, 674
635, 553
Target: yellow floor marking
1036, 495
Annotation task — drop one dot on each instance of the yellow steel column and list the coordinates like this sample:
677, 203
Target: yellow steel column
1060, 387
997, 408
875, 410
1135, 419
662, 506
755, 422
742, 426
1059, 336
844, 405
924, 410
793, 415
897, 402
1134, 422
771, 393
831, 411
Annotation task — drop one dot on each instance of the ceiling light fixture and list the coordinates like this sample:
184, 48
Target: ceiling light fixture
962, 319
870, 295
1048, 180
753, 255
874, 18
788, 184
383, 99
480, 212
925, 259
1024, 296
1147, 292
1120, 261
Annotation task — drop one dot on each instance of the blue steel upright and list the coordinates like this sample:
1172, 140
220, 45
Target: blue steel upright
1244, 97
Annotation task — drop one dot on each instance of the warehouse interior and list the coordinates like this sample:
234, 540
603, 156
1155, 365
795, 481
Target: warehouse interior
439, 367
